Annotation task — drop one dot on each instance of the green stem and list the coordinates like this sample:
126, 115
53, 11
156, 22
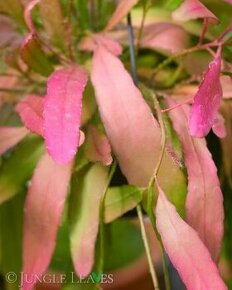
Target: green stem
170, 59
150, 197
146, 7
102, 215
147, 248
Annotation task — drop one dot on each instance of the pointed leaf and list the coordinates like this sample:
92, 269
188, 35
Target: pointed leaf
206, 101
204, 204
90, 43
193, 9
185, 249
62, 112
30, 110
120, 200
87, 192
121, 11
43, 209
33, 55
24, 159
10, 136
127, 118
97, 146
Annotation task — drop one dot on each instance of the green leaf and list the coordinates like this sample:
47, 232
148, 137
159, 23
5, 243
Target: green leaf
11, 238
17, 168
87, 190
52, 18
33, 55
121, 199
117, 243
173, 4
13, 8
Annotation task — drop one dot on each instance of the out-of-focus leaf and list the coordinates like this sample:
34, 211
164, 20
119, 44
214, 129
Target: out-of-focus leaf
11, 238
13, 8
226, 82
164, 36
30, 110
218, 127
97, 146
9, 37
127, 118
62, 112
173, 4
121, 199
184, 247
227, 142
10, 136
90, 43
33, 55
204, 203
52, 18
17, 169
42, 216
193, 9
121, 11
117, 243
86, 194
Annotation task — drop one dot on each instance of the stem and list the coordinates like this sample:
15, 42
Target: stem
132, 50
182, 53
203, 32
147, 248
145, 10
102, 215
69, 30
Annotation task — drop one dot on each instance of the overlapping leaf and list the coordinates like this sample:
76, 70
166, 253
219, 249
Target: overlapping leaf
10, 136
186, 251
97, 147
87, 192
62, 112
130, 126
204, 204
121, 11
30, 110
43, 209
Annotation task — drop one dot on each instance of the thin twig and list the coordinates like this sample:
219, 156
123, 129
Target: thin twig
184, 52
132, 50
147, 248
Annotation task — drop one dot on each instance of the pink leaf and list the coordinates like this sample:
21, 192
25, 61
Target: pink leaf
204, 204
164, 36
206, 101
43, 209
133, 132
30, 110
193, 9
90, 43
226, 82
10, 136
98, 146
185, 250
121, 11
88, 192
218, 127
62, 112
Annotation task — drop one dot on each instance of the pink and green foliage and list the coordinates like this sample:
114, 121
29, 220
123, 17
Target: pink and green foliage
110, 101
